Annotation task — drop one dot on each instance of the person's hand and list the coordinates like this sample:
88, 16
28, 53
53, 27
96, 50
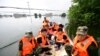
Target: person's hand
68, 44
19, 53
61, 41
47, 46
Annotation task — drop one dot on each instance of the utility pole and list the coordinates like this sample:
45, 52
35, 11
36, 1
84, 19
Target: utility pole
30, 14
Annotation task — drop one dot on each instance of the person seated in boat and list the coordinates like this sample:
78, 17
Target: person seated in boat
61, 38
43, 43
27, 45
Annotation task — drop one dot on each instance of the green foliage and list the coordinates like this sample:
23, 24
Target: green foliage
85, 12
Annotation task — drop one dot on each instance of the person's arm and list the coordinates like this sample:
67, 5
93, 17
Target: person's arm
65, 38
20, 53
92, 50
20, 48
39, 41
49, 36
35, 43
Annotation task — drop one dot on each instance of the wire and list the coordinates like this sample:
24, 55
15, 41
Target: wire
29, 8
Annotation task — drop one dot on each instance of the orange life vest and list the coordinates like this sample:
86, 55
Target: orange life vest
60, 38
54, 33
44, 40
50, 31
56, 27
75, 40
27, 46
81, 47
45, 24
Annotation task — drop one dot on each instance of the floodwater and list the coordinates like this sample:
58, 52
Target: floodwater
12, 29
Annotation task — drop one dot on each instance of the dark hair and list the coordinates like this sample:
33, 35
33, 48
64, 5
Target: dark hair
60, 29
61, 25
43, 30
44, 17
51, 23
